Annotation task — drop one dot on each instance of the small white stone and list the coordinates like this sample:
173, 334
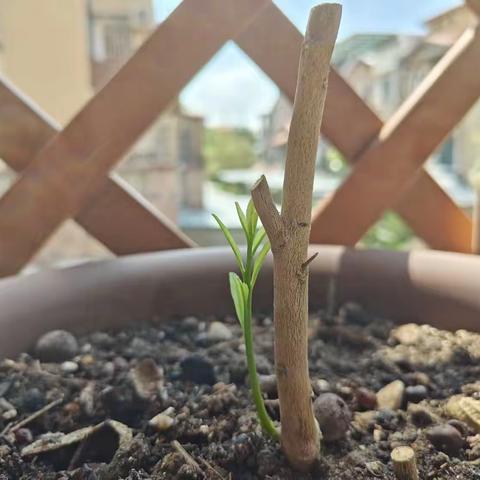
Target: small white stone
320, 386
407, 334
5, 404
219, 332
69, 367
364, 419
378, 435
9, 414
169, 411
161, 422
391, 395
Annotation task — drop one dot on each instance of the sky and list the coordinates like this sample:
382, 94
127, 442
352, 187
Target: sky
232, 91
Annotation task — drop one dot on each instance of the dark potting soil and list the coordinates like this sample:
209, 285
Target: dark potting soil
171, 401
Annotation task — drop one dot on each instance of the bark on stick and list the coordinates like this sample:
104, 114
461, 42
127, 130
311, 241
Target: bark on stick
404, 464
289, 233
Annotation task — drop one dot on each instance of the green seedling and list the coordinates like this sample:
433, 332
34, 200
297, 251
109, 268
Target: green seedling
241, 288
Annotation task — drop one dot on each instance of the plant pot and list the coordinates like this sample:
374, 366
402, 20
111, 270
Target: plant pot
422, 287
439, 288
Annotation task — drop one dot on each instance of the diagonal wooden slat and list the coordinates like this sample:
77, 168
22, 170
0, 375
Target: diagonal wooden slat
273, 42
386, 170
474, 5
73, 166
25, 129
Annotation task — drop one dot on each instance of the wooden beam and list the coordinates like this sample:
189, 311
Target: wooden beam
273, 42
389, 167
68, 171
443, 225
474, 5
476, 222
25, 129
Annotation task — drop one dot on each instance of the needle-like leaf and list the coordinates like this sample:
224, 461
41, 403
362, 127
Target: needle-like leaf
252, 219
243, 219
258, 239
259, 262
232, 243
238, 295
241, 290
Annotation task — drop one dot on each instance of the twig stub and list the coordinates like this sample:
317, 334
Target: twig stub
404, 463
307, 262
268, 213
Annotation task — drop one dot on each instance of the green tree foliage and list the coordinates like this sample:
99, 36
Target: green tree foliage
228, 149
390, 232
334, 162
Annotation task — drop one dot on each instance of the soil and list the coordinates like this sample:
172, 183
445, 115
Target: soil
193, 371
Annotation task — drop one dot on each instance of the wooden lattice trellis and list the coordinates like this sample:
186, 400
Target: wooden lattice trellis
66, 174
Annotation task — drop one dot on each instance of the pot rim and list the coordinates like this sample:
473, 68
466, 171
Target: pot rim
440, 288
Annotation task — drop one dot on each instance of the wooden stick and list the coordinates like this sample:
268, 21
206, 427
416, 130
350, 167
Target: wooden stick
474, 5
289, 237
404, 464
188, 458
33, 416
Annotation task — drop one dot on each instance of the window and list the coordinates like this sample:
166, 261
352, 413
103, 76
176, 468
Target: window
445, 155
142, 17
386, 90
117, 38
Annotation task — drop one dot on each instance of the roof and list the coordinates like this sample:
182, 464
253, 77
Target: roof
381, 52
359, 44
425, 52
445, 14
447, 27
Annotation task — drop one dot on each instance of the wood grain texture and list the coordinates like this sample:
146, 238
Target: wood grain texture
404, 463
25, 130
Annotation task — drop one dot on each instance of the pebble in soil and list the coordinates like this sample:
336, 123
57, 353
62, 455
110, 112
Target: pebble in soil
333, 416
378, 386
56, 346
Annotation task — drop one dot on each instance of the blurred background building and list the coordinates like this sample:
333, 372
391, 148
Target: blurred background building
60, 53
